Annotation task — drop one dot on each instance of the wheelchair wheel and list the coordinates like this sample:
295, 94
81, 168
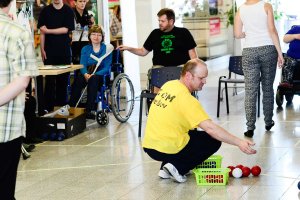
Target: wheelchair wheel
279, 98
289, 98
102, 118
122, 95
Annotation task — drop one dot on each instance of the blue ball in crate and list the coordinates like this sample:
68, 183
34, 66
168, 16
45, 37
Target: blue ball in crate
45, 136
299, 185
60, 136
52, 136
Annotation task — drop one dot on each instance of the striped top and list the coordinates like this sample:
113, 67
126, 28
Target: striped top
17, 58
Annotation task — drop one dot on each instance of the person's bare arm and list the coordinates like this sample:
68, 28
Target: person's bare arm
222, 135
13, 89
273, 32
137, 51
55, 31
290, 37
193, 53
42, 46
238, 26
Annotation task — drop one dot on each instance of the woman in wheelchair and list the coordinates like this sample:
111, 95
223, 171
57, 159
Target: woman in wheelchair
292, 57
86, 77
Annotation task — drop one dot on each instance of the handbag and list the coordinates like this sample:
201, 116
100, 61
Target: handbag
288, 69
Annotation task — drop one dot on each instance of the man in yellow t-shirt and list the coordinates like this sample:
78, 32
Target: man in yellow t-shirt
171, 136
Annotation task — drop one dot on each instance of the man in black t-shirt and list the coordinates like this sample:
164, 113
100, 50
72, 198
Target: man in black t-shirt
172, 46
55, 23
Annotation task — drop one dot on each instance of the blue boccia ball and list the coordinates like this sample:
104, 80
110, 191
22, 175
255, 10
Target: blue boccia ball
60, 136
299, 185
52, 136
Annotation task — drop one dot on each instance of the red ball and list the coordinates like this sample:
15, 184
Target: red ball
239, 166
231, 169
255, 170
246, 171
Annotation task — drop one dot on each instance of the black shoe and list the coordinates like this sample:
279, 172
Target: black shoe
29, 147
249, 133
25, 156
270, 126
90, 115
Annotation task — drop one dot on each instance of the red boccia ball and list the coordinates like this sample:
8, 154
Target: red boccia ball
246, 171
255, 170
239, 166
231, 169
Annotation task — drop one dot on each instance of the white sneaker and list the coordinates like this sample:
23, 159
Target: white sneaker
64, 110
173, 172
164, 175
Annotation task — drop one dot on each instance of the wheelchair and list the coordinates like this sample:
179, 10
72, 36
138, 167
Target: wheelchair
156, 78
288, 91
116, 95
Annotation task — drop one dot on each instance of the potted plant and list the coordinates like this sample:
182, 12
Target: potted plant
230, 15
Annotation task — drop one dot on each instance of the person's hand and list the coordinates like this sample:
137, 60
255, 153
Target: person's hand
122, 48
44, 29
245, 146
280, 60
87, 76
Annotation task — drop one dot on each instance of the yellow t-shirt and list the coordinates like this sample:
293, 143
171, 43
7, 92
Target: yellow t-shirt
173, 112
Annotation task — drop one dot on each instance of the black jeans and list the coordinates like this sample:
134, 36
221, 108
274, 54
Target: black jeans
30, 118
8, 167
199, 148
93, 85
55, 92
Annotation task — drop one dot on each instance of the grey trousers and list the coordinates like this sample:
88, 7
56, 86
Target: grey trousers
259, 64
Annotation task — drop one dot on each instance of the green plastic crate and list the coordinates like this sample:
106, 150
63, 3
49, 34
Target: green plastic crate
212, 176
213, 161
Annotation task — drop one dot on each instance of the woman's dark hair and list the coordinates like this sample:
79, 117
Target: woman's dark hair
168, 12
4, 3
96, 29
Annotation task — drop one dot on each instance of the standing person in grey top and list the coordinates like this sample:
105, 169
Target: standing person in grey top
254, 21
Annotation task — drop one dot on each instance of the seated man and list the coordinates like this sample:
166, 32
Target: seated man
171, 136
86, 75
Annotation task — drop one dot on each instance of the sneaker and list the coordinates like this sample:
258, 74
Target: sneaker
164, 175
25, 154
270, 126
249, 133
29, 147
173, 172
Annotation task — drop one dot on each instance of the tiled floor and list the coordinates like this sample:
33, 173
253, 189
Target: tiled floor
108, 162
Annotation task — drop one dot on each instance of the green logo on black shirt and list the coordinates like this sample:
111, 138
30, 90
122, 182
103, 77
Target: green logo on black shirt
167, 43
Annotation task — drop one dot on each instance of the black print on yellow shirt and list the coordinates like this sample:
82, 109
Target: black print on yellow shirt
164, 99
167, 43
